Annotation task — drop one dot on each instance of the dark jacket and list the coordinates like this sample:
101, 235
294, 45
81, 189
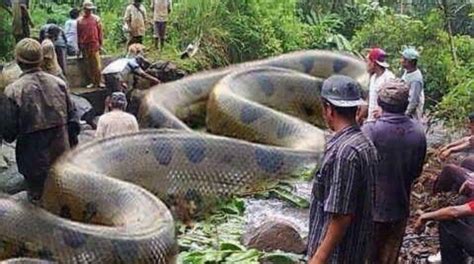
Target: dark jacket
36, 111
401, 145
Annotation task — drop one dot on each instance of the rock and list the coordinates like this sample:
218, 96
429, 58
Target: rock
274, 235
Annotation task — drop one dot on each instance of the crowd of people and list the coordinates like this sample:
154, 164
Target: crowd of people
361, 194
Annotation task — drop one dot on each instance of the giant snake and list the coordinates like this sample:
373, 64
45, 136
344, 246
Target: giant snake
104, 202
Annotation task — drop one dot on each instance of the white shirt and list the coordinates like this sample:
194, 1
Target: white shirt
70, 29
116, 122
374, 87
160, 10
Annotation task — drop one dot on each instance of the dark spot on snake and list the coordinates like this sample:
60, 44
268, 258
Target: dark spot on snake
193, 195
3, 212
89, 212
195, 150
249, 114
119, 155
307, 109
45, 254
284, 130
266, 85
74, 239
158, 119
268, 160
126, 251
339, 65
65, 212
21, 251
227, 158
163, 152
308, 64
196, 90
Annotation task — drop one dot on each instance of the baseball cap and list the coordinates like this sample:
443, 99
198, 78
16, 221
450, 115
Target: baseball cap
342, 91
378, 56
394, 92
118, 98
87, 4
410, 53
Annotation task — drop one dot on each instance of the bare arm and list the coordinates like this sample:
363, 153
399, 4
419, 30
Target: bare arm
336, 230
147, 76
443, 214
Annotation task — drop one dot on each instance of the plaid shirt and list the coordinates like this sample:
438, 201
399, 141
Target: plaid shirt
345, 185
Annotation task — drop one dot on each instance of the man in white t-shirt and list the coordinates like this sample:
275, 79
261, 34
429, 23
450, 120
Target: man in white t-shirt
117, 121
379, 73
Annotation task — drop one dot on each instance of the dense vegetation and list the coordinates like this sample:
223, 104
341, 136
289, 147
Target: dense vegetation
231, 31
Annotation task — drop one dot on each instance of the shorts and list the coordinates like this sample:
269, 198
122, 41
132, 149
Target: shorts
159, 28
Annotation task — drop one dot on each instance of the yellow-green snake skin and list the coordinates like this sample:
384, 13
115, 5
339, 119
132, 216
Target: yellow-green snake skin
103, 200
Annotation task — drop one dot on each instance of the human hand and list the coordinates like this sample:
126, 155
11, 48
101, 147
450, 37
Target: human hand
419, 225
444, 154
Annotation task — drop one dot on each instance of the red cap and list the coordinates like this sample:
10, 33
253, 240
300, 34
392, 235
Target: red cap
378, 56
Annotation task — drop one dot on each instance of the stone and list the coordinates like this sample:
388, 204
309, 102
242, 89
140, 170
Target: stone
274, 235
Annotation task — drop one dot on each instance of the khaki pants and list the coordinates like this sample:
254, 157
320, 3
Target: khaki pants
93, 64
388, 240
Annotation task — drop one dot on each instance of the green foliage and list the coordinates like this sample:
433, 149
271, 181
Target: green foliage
442, 73
217, 240
7, 43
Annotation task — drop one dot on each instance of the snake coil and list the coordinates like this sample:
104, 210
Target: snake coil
103, 201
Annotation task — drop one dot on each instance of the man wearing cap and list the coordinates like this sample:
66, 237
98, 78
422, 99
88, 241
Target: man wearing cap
89, 33
413, 77
117, 121
401, 145
379, 73
36, 114
341, 203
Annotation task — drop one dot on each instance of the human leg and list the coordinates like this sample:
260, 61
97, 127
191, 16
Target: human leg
93, 64
62, 58
162, 33
388, 239
456, 240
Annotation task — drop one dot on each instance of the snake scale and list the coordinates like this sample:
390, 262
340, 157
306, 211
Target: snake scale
105, 201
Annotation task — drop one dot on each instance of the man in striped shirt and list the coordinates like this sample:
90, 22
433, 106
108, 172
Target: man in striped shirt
340, 217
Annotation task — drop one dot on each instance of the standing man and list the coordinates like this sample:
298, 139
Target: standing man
379, 73
413, 77
161, 10
36, 114
401, 145
89, 32
135, 18
70, 30
340, 227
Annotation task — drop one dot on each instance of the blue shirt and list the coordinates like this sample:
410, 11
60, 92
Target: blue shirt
401, 145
